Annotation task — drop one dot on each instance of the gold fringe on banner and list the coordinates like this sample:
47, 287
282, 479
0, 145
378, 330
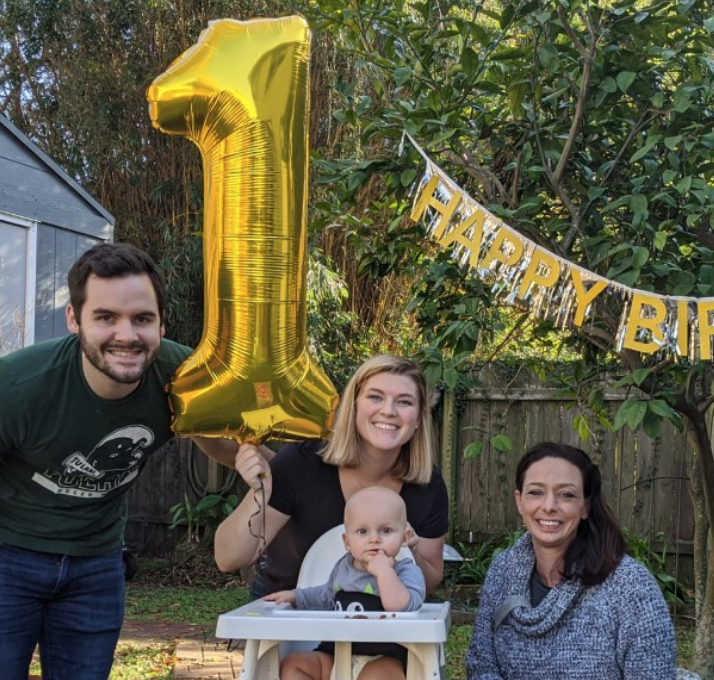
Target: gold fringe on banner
524, 274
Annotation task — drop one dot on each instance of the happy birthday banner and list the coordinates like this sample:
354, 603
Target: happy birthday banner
549, 286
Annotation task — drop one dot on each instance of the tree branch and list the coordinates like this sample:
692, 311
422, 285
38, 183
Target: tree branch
571, 33
468, 162
525, 317
588, 57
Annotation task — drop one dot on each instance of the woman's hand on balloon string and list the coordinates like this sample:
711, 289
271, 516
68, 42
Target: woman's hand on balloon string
253, 468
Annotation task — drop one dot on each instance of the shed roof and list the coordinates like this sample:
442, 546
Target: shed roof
32, 185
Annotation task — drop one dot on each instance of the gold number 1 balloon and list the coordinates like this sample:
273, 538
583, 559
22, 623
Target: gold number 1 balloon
241, 94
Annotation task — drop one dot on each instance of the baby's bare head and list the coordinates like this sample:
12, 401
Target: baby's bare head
376, 502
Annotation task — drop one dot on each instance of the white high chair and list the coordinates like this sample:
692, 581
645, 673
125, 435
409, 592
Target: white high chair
273, 630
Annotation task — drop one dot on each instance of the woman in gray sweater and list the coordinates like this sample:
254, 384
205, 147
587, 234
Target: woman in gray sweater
566, 602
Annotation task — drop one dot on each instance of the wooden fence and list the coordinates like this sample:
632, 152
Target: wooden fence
177, 472
645, 480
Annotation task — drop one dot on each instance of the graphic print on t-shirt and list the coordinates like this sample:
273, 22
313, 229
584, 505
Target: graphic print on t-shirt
113, 462
354, 602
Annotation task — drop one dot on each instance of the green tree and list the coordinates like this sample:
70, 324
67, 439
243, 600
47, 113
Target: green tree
73, 77
587, 127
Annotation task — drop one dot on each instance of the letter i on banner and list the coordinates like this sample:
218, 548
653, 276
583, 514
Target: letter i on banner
241, 94
705, 313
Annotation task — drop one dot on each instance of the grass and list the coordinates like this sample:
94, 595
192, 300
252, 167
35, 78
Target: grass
685, 631
133, 661
165, 593
198, 605
456, 645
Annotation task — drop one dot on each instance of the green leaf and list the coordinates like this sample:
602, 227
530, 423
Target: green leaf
608, 85
629, 278
432, 373
638, 204
473, 450
682, 100
641, 153
684, 185
672, 142
407, 177
630, 413
682, 282
659, 241
507, 15
676, 418
596, 399
625, 79
548, 57
355, 180
443, 135
640, 256
652, 425
506, 54
208, 502
516, 94
581, 426
640, 375
469, 61
451, 377
657, 100
502, 443
660, 407
402, 75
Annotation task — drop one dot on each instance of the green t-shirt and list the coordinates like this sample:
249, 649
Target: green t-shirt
67, 456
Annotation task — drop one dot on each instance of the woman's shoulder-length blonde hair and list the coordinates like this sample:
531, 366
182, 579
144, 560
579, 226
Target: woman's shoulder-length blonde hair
416, 460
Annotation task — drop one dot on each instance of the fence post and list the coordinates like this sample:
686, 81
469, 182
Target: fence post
446, 462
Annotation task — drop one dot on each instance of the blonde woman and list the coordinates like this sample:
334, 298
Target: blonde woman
382, 437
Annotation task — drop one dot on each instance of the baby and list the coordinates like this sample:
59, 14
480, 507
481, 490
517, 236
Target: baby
367, 578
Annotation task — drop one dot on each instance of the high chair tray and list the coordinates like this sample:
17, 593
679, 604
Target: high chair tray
263, 620
312, 614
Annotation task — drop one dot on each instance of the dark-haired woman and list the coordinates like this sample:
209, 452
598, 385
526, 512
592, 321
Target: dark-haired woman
566, 602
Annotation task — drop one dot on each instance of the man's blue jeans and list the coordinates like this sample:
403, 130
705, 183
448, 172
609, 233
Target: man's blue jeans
72, 606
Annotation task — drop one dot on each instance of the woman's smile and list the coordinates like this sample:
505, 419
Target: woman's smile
387, 413
552, 502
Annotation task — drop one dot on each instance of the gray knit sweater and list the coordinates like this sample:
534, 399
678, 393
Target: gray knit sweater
619, 630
